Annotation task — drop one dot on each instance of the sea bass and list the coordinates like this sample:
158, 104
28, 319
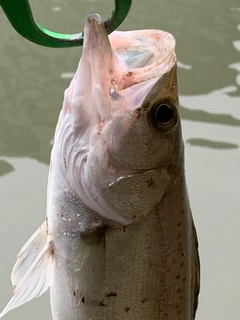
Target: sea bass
118, 241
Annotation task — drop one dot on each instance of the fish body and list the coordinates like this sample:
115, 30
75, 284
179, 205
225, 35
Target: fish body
118, 241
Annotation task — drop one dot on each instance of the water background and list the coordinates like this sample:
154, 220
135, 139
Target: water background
32, 82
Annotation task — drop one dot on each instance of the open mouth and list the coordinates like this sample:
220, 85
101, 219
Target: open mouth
112, 66
129, 57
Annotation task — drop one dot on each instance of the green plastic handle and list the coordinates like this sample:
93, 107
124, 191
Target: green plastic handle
20, 16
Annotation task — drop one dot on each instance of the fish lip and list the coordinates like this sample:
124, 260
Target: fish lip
94, 18
94, 31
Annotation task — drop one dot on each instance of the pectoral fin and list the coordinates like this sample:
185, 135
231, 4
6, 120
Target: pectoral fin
32, 272
92, 271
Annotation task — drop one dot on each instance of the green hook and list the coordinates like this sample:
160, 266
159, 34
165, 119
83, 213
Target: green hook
20, 16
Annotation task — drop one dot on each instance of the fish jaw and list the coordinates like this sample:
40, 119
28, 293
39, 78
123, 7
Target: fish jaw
98, 75
101, 106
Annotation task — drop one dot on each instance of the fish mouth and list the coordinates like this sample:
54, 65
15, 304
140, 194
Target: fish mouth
140, 54
111, 64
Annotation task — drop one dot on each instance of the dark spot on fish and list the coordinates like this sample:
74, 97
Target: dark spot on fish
124, 228
179, 236
178, 289
65, 163
129, 74
74, 293
46, 225
184, 279
100, 126
151, 183
102, 304
111, 294
51, 248
147, 248
182, 264
127, 309
144, 300
179, 224
138, 113
83, 300
178, 276
115, 95
165, 314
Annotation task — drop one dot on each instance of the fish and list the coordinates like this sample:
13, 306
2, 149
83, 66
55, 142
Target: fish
118, 241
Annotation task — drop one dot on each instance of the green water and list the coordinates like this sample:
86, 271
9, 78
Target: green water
32, 82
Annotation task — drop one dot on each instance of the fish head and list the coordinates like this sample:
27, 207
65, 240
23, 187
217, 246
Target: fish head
119, 133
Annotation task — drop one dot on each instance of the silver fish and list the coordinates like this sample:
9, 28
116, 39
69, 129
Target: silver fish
118, 241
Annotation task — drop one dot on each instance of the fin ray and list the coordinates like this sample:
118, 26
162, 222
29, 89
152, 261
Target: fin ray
28, 253
32, 275
91, 273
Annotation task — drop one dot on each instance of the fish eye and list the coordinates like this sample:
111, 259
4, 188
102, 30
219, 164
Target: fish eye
164, 114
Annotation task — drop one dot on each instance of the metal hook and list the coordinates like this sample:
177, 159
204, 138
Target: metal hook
20, 16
